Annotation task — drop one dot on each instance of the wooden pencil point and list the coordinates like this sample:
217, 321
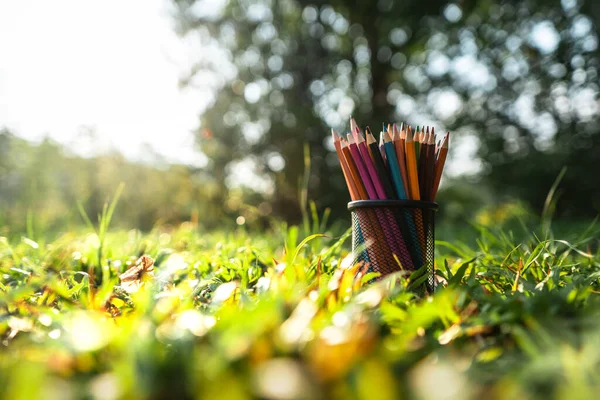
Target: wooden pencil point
386, 137
335, 136
415, 159
370, 138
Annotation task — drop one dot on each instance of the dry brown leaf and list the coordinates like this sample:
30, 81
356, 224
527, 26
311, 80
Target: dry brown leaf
140, 272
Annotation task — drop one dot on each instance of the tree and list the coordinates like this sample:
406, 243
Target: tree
517, 79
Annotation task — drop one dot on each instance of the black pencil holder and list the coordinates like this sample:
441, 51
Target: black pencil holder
394, 235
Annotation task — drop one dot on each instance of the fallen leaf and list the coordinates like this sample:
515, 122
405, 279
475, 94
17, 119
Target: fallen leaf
140, 272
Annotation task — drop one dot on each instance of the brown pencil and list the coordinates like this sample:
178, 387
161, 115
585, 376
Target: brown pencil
430, 165
439, 164
422, 163
422, 141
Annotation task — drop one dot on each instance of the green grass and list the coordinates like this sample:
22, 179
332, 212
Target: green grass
238, 315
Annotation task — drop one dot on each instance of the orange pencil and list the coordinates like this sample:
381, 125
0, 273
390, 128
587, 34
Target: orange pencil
345, 169
411, 166
354, 174
399, 146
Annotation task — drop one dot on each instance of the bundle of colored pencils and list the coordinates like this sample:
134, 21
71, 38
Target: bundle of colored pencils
405, 165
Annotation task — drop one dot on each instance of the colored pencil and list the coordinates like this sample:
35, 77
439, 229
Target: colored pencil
345, 169
380, 166
394, 167
417, 145
362, 169
439, 165
382, 150
430, 173
387, 220
379, 219
376, 179
400, 156
411, 166
405, 164
422, 142
354, 174
421, 161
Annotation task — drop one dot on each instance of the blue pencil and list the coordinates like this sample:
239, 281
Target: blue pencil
393, 165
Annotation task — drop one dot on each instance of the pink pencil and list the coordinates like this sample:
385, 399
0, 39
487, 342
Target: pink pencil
362, 170
353, 126
362, 147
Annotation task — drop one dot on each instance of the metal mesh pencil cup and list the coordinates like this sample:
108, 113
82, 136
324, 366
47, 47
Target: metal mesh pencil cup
391, 235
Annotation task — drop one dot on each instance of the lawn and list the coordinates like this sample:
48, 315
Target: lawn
283, 315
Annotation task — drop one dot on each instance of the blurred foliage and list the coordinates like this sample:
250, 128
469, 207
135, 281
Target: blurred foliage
41, 185
515, 81
44, 189
239, 316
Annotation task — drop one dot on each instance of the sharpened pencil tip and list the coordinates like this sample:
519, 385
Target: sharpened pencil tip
386, 137
335, 136
371, 139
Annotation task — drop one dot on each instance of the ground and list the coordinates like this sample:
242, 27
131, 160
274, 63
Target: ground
279, 315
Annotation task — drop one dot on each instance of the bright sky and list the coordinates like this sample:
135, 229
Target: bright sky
110, 65
113, 66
